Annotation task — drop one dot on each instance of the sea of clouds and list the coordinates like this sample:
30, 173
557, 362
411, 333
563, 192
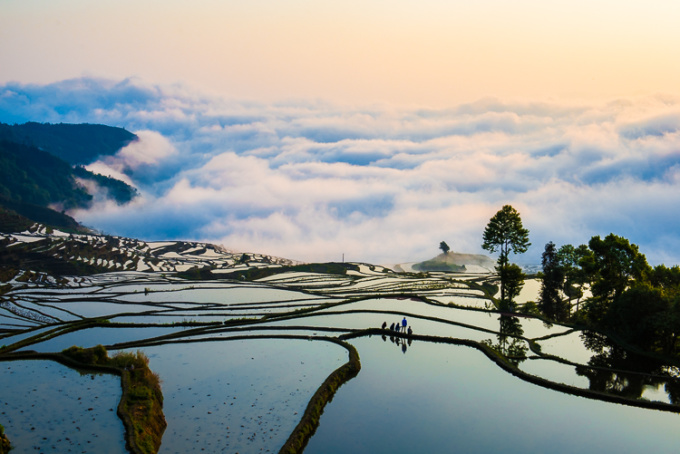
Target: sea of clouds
311, 180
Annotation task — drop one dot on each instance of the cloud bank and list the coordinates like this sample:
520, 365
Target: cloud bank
312, 180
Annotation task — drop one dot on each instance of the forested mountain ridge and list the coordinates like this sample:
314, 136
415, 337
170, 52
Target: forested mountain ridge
37, 169
74, 143
30, 175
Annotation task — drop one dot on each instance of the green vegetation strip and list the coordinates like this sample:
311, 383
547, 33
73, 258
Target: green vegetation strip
5, 445
310, 419
60, 330
141, 404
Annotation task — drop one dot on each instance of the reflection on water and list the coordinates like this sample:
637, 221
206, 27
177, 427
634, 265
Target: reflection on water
569, 347
401, 343
93, 336
238, 396
555, 372
246, 396
509, 342
47, 407
621, 372
442, 398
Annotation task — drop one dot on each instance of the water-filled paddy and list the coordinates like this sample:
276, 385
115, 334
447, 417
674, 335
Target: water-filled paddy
368, 320
53, 312
239, 396
454, 399
227, 295
103, 309
479, 319
105, 336
12, 322
555, 371
47, 407
569, 346
410, 396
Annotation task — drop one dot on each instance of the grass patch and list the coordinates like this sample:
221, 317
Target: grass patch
437, 265
5, 445
310, 419
141, 406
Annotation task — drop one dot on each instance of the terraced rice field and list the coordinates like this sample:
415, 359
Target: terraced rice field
240, 360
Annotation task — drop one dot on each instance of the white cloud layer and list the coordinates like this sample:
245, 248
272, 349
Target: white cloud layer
312, 181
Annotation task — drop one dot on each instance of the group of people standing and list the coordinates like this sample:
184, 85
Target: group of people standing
399, 327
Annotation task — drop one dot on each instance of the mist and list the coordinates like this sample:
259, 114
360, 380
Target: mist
311, 180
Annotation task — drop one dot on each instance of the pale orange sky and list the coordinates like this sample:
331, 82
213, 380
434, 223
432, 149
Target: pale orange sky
432, 53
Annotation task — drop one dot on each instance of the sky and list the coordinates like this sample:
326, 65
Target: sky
373, 129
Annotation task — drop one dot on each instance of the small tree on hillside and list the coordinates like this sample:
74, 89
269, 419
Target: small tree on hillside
444, 247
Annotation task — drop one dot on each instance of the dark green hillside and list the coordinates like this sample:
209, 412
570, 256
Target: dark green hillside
74, 143
30, 175
32, 179
117, 190
18, 217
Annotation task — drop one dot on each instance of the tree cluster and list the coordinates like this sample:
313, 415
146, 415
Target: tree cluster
73, 143
628, 298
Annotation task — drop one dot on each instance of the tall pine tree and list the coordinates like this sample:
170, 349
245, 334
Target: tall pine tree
550, 301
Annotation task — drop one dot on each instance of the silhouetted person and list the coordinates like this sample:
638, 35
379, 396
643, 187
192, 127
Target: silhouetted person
392, 327
384, 325
410, 331
397, 327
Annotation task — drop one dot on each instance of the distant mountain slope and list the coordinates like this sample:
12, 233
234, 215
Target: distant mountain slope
74, 143
30, 175
19, 217
39, 249
33, 176
456, 262
36, 170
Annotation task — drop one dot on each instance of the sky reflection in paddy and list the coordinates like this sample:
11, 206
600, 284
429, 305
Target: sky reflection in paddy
434, 397
227, 295
569, 347
49, 407
93, 336
455, 399
238, 396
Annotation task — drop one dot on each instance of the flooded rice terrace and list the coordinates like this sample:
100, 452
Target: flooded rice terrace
240, 360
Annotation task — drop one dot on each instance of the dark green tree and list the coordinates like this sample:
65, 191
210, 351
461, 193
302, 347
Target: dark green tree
637, 315
513, 277
648, 313
612, 267
550, 300
444, 247
570, 258
505, 233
